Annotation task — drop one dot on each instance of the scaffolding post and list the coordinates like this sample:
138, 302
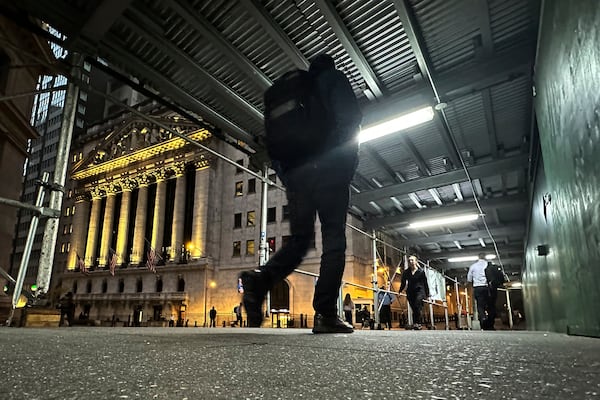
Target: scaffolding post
445, 304
263, 255
458, 303
28, 245
431, 319
467, 309
58, 182
375, 288
509, 309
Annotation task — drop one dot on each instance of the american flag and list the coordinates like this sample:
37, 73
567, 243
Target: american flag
151, 261
81, 264
112, 262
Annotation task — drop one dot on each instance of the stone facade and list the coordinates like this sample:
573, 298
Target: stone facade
123, 200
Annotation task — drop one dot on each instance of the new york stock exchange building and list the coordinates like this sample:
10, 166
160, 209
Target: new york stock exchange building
136, 188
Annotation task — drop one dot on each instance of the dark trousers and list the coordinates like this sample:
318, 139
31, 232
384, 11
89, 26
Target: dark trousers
493, 295
348, 316
317, 188
385, 316
212, 323
416, 303
482, 298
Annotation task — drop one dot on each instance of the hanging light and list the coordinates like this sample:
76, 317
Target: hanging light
396, 124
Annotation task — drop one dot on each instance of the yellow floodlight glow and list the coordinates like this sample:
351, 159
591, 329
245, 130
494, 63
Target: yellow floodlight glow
444, 221
396, 124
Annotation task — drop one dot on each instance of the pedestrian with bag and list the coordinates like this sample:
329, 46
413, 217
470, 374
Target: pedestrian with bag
312, 121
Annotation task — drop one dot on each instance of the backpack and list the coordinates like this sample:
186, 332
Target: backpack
494, 276
296, 122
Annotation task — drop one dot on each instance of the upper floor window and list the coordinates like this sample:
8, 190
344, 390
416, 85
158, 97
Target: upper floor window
239, 189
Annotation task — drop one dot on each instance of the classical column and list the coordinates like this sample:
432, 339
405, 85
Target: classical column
137, 254
199, 223
80, 227
107, 226
178, 212
90, 247
123, 226
158, 224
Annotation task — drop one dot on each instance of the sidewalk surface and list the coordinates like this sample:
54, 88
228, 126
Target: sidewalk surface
228, 363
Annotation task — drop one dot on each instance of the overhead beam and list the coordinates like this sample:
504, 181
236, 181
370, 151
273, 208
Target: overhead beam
414, 153
381, 163
276, 33
501, 67
204, 26
497, 232
103, 17
345, 38
491, 122
518, 261
417, 44
145, 27
125, 59
435, 181
505, 250
487, 205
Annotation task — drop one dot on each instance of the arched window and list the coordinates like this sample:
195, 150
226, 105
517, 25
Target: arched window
139, 285
104, 286
121, 285
88, 287
181, 284
159, 285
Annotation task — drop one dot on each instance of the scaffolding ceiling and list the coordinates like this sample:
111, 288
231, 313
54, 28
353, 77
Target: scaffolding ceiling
216, 58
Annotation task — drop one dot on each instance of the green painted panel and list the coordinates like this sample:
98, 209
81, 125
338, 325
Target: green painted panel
568, 111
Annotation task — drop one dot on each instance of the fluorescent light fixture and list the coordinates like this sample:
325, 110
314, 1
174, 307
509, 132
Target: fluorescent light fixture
444, 221
470, 258
396, 124
516, 285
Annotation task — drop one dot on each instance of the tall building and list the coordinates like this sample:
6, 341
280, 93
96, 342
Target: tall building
19, 71
136, 188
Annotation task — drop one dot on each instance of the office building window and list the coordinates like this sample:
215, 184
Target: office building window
237, 248
237, 220
239, 170
285, 240
239, 189
251, 218
271, 214
249, 247
252, 185
285, 213
273, 178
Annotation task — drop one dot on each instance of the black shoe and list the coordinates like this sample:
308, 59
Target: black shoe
417, 327
255, 289
334, 324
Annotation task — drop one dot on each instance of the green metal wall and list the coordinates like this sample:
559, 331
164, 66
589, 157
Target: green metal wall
562, 289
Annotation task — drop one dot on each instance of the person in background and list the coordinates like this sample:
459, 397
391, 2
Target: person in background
238, 315
213, 316
385, 304
417, 289
348, 308
476, 276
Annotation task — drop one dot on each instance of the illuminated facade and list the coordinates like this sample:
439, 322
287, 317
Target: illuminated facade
134, 186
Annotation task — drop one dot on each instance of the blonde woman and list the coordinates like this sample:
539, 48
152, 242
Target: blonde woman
348, 308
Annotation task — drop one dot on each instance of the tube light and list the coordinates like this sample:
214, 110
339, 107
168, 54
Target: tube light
396, 124
444, 221
470, 258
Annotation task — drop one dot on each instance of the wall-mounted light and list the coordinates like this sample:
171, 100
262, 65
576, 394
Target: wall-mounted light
396, 124
444, 221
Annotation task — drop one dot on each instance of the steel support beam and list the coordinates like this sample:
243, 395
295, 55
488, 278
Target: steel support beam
204, 26
188, 63
488, 206
435, 181
497, 232
345, 38
276, 33
179, 95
